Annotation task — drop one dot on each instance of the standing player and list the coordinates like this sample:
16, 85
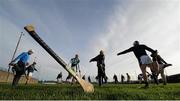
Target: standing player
122, 78
115, 79
101, 66
128, 78
74, 66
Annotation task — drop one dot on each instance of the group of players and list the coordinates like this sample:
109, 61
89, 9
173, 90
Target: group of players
156, 64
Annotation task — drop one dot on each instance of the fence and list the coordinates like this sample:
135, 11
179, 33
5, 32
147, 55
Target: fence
4, 74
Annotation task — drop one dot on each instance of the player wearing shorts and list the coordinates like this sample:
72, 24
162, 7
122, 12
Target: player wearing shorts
30, 69
143, 59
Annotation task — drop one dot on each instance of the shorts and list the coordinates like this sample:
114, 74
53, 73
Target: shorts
145, 59
30, 74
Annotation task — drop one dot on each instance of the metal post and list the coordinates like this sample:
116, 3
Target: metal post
14, 54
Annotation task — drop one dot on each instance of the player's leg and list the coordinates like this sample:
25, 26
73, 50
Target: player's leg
154, 67
100, 78
161, 68
16, 78
30, 77
27, 78
143, 69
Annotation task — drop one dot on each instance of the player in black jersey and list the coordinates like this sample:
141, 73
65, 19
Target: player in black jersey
143, 59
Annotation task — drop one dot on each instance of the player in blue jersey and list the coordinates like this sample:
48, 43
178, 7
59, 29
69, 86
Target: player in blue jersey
22, 62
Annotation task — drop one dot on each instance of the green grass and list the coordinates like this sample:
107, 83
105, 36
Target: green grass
75, 92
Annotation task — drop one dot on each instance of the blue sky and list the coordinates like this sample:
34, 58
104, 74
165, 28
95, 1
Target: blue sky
87, 26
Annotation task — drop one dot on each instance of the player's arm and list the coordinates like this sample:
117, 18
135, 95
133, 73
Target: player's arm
126, 51
94, 59
149, 49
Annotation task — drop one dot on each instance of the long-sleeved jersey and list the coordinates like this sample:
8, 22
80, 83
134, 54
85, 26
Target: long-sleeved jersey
23, 57
99, 59
138, 50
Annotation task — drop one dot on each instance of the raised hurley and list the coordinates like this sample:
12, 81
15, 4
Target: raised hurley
87, 87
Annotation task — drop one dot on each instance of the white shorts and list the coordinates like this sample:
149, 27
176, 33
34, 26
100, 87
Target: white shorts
145, 59
30, 74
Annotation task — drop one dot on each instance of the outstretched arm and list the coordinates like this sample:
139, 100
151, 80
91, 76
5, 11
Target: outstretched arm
94, 59
149, 49
126, 51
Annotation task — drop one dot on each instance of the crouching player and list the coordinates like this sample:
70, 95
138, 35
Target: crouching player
30, 69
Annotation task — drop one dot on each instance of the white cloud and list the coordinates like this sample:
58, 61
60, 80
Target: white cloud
155, 24
152, 22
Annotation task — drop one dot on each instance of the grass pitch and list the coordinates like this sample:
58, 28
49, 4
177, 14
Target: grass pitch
75, 92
